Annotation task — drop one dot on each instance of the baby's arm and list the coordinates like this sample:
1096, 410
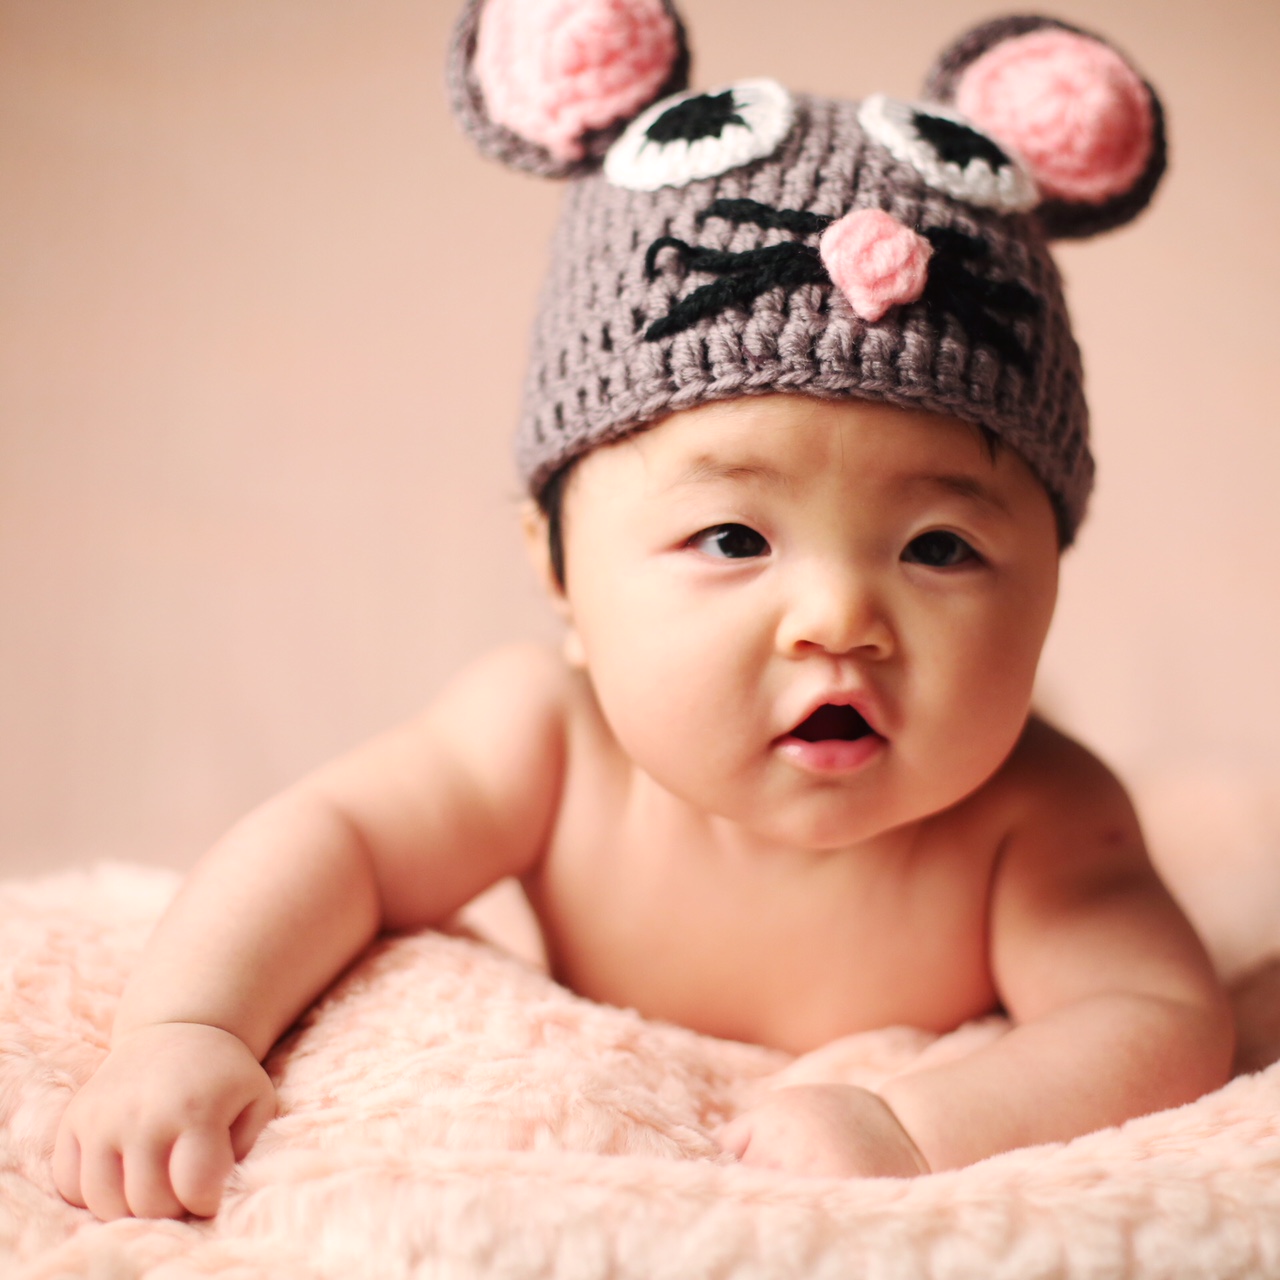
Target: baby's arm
1115, 1006
396, 835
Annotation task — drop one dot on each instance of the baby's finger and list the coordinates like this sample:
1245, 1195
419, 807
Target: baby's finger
102, 1183
735, 1136
146, 1182
251, 1122
66, 1165
199, 1164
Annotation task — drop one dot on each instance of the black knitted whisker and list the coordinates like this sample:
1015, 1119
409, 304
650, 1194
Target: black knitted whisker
956, 244
985, 309
942, 297
995, 295
956, 287
781, 265
762, 215
694, 257
1006, 295
682, 247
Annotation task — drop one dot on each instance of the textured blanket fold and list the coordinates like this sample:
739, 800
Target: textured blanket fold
448, 1111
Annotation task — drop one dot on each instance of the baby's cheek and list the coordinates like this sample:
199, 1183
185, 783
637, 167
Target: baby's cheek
689, 729
1002, 652
961, 726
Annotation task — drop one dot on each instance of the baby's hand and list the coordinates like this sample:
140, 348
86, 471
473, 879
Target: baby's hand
157, 1129
824, 1131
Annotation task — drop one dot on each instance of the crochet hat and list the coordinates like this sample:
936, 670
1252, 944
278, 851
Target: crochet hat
751, 240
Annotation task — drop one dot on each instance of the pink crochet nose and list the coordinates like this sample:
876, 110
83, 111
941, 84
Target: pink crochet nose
875, 261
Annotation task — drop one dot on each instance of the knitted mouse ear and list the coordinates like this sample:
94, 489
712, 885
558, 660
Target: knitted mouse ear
547, 85
1087, 126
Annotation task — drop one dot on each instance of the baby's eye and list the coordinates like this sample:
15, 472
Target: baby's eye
939, 549
730, 542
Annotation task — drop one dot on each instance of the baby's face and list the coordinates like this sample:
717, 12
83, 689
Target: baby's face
817, 619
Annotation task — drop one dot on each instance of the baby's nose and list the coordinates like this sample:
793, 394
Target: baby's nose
835, 610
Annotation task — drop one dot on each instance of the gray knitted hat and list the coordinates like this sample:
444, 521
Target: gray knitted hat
751, 240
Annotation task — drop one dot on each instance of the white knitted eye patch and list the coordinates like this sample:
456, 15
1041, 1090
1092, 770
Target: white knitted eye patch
949, 153
691, 136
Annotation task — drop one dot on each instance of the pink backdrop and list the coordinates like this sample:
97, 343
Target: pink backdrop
261, 320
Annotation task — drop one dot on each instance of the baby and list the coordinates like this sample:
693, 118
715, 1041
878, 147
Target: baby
805, 438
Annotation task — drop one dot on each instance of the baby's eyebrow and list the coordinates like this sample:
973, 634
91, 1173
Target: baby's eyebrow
705, 468
964, 486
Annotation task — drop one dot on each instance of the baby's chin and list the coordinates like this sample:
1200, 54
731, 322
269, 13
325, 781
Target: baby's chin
830, 818
827, 820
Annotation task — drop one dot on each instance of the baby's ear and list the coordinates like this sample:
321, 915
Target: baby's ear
533, 525
1077, 113
547, 85
537, 545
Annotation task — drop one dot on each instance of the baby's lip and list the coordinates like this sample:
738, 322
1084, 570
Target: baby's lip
836, 717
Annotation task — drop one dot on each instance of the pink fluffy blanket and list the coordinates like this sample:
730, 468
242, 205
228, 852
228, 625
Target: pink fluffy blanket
448, 1111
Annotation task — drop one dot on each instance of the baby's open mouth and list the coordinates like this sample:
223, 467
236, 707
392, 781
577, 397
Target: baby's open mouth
831, 722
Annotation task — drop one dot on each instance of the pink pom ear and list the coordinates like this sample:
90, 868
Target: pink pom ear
1075, 112
552, 71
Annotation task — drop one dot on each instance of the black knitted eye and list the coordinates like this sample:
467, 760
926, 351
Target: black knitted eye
949, 153
700, 135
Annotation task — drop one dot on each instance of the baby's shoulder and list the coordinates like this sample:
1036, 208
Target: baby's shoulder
521, 692
1063, 808
527, 676
1049, 769
505, 709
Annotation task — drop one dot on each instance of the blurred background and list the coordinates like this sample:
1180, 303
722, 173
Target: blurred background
262, 321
